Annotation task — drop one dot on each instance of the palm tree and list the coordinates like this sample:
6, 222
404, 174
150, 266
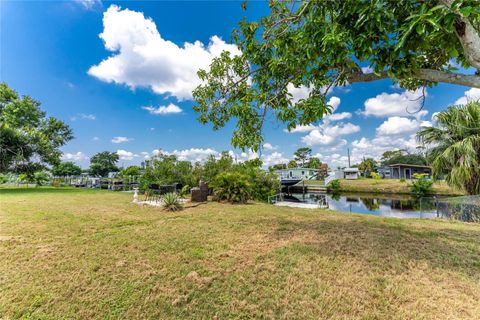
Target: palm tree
454, 146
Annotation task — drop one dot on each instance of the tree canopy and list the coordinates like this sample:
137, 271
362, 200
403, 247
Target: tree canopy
64, 169
302, 156
402, 156
103, 162
29, 140
367, 165
131, 171
322, 44
454, 146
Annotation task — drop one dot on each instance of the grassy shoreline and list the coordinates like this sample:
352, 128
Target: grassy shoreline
93, 254
393, 186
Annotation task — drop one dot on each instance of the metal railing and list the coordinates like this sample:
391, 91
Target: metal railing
329, 179
275, 198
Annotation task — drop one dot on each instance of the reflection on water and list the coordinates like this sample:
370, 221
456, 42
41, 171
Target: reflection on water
388, 205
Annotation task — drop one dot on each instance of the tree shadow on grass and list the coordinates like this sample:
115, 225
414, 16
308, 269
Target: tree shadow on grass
386, 246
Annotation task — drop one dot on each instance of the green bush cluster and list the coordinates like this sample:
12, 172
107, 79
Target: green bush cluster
233, 187
166, 170
422, 185
245, 181
230, 181
334, 186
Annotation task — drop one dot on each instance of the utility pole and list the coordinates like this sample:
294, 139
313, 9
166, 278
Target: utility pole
348, 152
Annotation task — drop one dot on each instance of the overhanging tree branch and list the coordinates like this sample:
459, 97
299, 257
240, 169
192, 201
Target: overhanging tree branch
468, 80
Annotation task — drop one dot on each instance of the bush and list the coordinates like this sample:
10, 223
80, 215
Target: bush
167, 170
422, 185
402, 180
233, 187
334, 186
263, 185
171, 202
375, 176
3, 178
185, 190
40, 178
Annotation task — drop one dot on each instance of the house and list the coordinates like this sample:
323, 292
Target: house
406, 171
384, 172
295, 175
298, 173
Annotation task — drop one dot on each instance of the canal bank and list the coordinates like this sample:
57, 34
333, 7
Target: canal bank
387, 186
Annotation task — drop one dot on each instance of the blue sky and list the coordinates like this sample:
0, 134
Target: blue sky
129, 90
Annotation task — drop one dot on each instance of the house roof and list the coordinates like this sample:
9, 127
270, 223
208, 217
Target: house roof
409, 165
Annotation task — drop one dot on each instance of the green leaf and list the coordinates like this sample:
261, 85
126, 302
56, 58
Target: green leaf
420, 28
465, 11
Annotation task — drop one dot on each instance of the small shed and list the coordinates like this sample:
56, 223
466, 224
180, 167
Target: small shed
351, 173
406, 171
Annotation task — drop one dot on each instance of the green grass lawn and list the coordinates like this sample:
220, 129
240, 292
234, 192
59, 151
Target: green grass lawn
87, 254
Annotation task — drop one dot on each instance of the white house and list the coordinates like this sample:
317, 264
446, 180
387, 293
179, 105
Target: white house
298, 173
293, 176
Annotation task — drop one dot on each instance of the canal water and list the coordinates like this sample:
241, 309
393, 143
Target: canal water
386, 205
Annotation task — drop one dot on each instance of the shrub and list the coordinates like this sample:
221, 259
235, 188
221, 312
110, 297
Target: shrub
171, 202
375, 176
402, 180
40, 178
185, 190
422, 185
263, 185
3, 178
233, 187
334, 186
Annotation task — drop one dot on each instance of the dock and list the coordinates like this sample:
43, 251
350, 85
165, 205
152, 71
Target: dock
300, 188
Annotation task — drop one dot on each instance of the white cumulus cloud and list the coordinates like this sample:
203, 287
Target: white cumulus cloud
194, 154
329, 135
126, 155
374, 148
269, 146
338, 116
398, 125
121, 139
404, 104
163, 110
79, 156
470, 95
334, 102
143, 58
298, 93
273, 158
